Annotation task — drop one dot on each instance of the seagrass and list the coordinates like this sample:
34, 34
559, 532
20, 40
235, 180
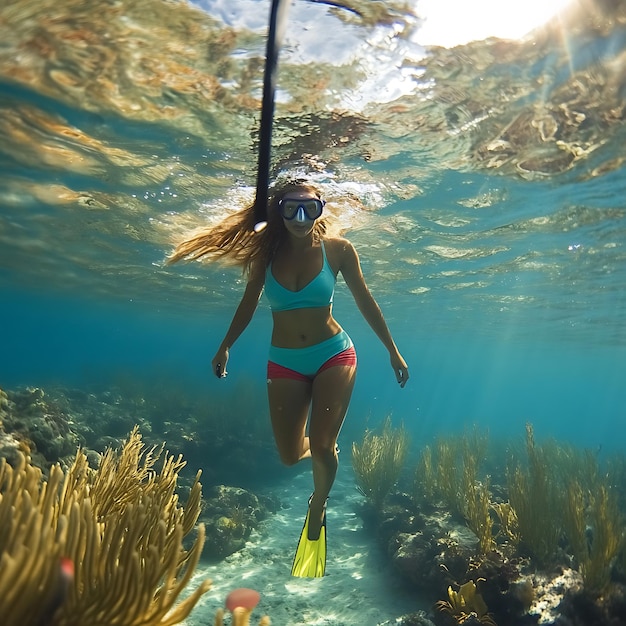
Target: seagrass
378, 461
425, 480
535, 495
594, 530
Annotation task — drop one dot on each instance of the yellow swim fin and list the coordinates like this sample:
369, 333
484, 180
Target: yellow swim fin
310, 558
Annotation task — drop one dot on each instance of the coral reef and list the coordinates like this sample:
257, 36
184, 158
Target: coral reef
51, 424
230, 514
544, 533
42, 429
121, 527
193, 426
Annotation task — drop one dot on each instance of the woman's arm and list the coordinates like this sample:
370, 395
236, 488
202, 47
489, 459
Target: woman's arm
350, 268
241, 319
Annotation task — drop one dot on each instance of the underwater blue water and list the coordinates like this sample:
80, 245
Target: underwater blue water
574, 393
504, 287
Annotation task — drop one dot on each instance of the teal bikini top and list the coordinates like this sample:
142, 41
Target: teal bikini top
319, 292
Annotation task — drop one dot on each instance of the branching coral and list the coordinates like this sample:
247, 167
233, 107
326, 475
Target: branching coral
378, 461
122, 528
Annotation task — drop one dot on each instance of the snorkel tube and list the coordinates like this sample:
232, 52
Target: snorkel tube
278, 20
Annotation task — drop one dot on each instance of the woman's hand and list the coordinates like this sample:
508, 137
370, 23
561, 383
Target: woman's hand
400, 368
219, 363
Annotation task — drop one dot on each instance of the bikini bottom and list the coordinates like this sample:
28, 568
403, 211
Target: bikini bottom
305, 363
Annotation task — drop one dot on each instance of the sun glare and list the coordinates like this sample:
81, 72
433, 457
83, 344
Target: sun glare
454, 22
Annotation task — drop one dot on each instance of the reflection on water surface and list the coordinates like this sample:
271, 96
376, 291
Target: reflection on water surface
484, 178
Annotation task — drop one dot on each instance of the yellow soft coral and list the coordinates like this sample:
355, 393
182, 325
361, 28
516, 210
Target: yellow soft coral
466, 604
120, 525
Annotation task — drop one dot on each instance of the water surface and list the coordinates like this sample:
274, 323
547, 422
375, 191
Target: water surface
483, 186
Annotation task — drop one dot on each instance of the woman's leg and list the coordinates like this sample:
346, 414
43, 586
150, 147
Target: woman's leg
289, 402
331, 393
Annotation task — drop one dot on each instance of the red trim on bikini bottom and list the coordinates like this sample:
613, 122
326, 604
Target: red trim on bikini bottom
278, 371
345, 357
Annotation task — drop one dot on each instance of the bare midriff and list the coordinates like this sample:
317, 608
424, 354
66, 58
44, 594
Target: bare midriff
301, 328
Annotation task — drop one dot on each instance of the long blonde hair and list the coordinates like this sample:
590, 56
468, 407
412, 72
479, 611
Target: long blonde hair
234, 239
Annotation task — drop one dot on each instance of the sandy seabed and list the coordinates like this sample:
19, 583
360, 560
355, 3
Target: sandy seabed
359, 588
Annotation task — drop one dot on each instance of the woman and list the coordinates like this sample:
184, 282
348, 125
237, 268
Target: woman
312, 362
